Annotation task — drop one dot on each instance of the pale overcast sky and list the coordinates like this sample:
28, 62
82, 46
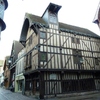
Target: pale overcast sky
74, 12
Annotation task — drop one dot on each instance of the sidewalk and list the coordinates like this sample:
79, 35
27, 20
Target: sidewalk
92, 95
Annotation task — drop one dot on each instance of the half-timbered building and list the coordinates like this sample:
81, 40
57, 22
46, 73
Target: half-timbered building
16, 48
6, 72
60, 58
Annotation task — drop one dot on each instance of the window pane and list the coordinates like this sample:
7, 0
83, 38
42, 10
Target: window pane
27, 60
43, 35
73, 40
81, 59
43, 56
77, 40
79, 53
75, 59
96, 61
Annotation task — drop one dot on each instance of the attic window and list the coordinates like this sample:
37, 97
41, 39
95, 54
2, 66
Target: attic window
75, 40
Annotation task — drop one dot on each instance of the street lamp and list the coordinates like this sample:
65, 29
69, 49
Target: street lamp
9, 61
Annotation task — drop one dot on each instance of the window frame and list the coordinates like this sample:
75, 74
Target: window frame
43, 60
75, 40
41, 36
96, 61
77, 56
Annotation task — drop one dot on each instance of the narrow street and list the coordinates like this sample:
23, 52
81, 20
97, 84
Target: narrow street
8, 95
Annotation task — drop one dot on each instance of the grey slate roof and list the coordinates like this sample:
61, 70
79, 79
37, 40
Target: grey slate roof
63, 26
77, 30
35, 18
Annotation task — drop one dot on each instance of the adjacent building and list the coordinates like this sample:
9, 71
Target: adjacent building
6, 72
3, 7
59, 58
1, 73
16, 47
19, 78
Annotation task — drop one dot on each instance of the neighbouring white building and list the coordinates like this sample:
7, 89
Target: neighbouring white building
19, 77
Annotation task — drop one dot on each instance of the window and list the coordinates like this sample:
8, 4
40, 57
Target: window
42, 35
81, 59
77, 56
30, 59
75, 59
26, 60
30, 40
53, 18
43, 56
75, 40
96, 61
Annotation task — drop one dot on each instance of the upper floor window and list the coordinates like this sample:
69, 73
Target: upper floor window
26, 60
75, 40
30, 59
96, 61
77, 56
42, 35
43, 56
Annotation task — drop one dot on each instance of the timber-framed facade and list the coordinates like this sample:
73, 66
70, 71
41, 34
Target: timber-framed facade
59, 58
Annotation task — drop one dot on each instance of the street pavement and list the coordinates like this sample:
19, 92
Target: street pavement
8, 95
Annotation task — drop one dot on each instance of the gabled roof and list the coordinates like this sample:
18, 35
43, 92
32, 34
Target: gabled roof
35, 18
16, 47
63, 26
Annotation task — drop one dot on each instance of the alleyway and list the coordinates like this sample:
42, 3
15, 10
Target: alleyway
8, 95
